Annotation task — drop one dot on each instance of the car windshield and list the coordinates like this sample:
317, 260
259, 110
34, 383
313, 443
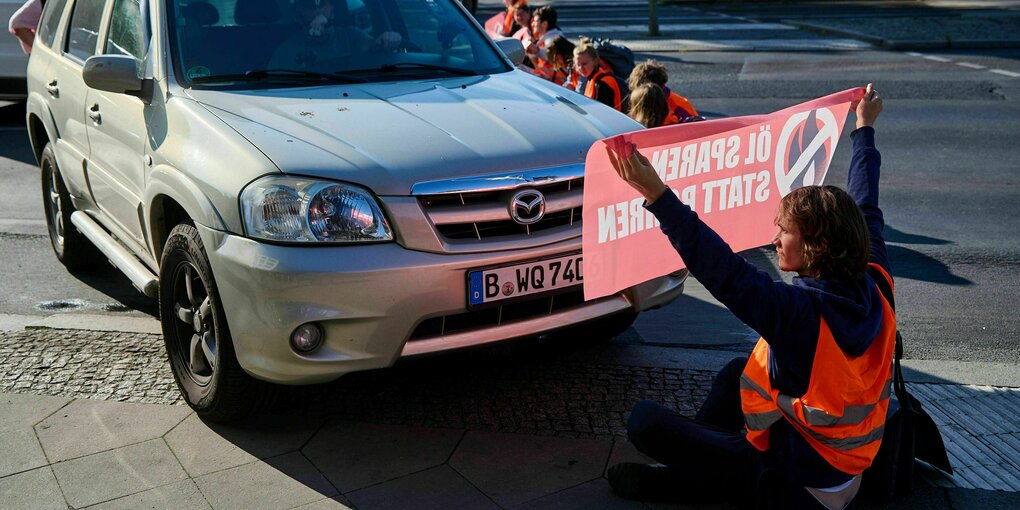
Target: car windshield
271, 43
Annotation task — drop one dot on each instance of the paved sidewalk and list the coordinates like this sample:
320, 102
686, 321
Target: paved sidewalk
521, 425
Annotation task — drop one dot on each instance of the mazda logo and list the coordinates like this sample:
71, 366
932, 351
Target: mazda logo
527, 206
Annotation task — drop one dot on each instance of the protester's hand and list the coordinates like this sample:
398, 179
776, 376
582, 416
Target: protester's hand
532, 49
639, 174
389, 40
868, 108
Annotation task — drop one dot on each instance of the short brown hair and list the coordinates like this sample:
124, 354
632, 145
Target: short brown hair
560, 47
649, 71
648, 105
833, 231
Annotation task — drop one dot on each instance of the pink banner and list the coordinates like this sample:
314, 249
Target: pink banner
732, 172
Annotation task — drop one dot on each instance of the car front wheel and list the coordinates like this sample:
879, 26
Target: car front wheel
198, 341
71, 247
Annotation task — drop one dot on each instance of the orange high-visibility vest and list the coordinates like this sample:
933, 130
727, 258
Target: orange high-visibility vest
606, 77
842, 414
670, 119
508, 21
679, 105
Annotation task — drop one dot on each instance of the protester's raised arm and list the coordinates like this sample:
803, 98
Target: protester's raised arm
865, 166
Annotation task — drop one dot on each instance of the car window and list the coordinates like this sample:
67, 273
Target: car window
47, 32
83, 31
127, 31
378, 40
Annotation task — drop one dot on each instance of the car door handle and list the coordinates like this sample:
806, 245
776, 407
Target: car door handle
53, 89
95, 115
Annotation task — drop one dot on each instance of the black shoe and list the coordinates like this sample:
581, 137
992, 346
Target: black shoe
643, 482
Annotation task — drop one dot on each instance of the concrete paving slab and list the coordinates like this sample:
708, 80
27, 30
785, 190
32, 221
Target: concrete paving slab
528, 467
36, 489
334, 503
18, 411
91, 322
116, 473
355, 455
183, 494
10, 322
593, 494
90, 426
204, 448
21, 452
961, 372
624, 451
442, 485
286, 481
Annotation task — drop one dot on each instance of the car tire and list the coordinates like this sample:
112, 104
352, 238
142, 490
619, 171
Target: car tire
605, 328
71, 247
198, 342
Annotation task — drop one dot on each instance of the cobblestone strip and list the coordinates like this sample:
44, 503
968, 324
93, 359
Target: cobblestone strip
125, 367
524, 388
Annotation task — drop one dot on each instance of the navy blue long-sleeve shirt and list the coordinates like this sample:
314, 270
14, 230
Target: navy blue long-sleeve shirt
787, 315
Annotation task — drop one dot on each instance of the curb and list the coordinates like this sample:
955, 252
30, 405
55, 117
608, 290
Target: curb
892, 44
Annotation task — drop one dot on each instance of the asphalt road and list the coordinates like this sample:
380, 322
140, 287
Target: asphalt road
950, 192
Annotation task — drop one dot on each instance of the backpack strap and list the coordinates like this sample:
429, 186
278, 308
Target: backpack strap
884, 284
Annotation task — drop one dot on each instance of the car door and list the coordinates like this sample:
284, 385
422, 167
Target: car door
116, 126
67, 92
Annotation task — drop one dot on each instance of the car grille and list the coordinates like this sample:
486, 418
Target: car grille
490, 317
479, 215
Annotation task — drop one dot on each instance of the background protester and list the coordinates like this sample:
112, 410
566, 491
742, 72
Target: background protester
652, 71
24, 22
561, 53
544, 29
601, 85
648, 106
504, 24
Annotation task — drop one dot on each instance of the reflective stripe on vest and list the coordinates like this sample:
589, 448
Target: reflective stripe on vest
842, 414
607, 78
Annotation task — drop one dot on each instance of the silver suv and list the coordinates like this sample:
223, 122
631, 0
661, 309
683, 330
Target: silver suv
315, 187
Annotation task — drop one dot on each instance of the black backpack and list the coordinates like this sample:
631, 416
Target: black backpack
910, 433
619, 57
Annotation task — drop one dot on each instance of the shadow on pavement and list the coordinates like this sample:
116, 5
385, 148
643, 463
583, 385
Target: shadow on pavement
907, 263
112, 283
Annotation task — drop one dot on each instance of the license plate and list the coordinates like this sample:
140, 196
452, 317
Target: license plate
527, 279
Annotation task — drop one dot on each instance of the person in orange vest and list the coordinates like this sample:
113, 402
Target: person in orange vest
796, 424
543, 29
648, 106
601, 83
560, 52
654, 72
504, 24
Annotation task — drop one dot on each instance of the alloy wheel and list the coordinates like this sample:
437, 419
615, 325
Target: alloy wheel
53, 207
194, 325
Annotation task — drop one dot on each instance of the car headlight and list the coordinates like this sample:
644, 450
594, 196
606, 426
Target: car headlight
303, 210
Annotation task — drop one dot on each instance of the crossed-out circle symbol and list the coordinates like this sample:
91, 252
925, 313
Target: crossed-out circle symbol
805, 164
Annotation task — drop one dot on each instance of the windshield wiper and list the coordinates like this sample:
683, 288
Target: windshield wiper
389, 68
264, 74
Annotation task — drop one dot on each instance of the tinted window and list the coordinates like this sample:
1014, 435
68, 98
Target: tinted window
373, 40
51, 18
83, 32
127, 31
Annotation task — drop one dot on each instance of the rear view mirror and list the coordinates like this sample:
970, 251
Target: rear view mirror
513, 49
116, 73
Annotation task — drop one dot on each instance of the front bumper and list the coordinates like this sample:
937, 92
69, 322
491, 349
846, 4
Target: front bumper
368, 299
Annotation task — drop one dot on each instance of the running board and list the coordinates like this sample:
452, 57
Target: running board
140, 276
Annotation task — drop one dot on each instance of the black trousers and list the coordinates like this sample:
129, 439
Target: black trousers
709, 457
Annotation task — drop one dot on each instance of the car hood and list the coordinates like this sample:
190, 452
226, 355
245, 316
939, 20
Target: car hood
389, 136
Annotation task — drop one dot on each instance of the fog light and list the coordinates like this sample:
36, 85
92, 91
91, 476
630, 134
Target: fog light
306, 338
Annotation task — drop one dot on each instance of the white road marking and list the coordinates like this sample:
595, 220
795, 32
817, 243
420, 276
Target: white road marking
937, 59
969, 65
743, 44
680, 27
1004, 72
914, 54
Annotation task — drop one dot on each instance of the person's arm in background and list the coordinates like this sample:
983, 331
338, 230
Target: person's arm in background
24, 22
865, 165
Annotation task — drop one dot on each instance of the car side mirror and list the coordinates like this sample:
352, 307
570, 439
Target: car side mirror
117, 73
512, 48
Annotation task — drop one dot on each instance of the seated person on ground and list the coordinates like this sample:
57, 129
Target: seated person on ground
654, 72
602, 85
648, 106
